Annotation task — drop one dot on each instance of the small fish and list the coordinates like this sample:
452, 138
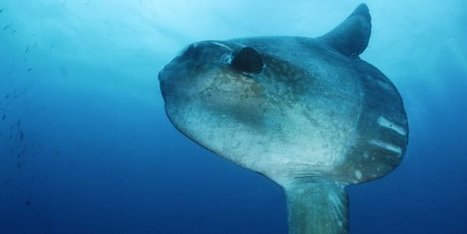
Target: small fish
7, 96
3, 116
26, 50
30, 69
21, 135
7, 181
63, 70
1, 10
6, 27
28, 203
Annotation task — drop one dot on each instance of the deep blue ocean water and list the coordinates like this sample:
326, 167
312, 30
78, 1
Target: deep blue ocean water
85, 145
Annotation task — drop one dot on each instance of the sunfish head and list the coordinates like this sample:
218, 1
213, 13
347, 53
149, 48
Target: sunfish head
247, 106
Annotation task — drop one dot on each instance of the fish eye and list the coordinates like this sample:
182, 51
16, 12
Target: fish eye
247, 60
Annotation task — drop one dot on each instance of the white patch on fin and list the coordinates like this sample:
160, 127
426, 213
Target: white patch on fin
358, 174
383, 122
387, 146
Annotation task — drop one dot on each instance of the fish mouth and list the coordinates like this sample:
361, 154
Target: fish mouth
162, 75
159, 75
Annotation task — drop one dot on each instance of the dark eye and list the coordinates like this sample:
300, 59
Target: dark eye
248, 60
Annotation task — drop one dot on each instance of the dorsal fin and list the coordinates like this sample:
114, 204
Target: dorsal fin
351, 36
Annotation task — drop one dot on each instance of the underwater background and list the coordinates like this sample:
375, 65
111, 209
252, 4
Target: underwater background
86, 147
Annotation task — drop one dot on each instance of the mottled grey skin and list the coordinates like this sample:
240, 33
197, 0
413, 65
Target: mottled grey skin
315, 119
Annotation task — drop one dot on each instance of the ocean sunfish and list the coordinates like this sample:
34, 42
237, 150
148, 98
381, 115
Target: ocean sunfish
307, 113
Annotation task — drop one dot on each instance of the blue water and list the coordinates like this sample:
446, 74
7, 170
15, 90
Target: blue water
85, 146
